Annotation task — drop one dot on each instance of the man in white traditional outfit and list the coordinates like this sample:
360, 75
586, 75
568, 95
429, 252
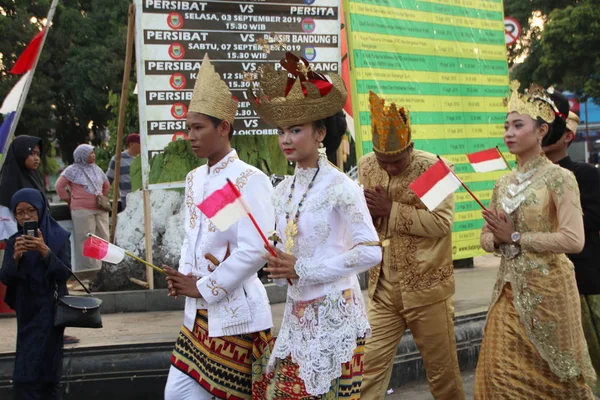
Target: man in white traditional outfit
226, 339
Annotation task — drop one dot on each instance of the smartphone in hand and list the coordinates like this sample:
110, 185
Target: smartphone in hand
30, 228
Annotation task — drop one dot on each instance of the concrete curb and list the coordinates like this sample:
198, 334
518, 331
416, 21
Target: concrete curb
139, 371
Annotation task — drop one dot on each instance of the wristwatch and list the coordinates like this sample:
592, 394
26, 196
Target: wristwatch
515, 237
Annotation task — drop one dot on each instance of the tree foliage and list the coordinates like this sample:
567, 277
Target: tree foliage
82, 61
132, 124
565, 52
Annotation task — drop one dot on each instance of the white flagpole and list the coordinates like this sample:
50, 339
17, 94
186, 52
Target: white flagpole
13, 126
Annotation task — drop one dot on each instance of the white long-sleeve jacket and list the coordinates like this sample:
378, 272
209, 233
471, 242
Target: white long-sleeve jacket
236, 300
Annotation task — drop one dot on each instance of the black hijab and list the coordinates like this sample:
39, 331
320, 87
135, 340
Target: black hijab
15, 176
54, 235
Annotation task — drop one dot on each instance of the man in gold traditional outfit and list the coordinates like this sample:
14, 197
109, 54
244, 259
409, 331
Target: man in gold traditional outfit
413, 286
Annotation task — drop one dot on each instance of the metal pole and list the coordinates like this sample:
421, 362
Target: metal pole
13, 127
121, 124
587, 133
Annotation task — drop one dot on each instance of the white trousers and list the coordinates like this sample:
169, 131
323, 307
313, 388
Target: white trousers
182, 387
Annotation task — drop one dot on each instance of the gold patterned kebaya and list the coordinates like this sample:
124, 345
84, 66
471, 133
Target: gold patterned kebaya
390, 126
535, 102
296, 94
211, 94
534, 346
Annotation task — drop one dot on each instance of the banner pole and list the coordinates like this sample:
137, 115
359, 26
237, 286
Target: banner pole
121, 123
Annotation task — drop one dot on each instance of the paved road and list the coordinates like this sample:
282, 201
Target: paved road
420, 390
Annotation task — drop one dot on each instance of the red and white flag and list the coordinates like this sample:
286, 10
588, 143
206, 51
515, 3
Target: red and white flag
487, 160
435, 184
27, 58
100, 249
13, 100
225, 206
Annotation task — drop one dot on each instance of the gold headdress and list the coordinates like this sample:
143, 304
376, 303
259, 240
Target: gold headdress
535, 102
305, 96
572, 122
212, 95
390, 126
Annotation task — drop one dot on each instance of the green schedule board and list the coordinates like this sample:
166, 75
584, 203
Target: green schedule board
445, 61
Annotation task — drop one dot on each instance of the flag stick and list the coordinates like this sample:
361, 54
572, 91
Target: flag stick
260, 232
145, 262
132, 256
504, 158
463, 184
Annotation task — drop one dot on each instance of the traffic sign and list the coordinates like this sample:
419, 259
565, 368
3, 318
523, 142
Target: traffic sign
512, 30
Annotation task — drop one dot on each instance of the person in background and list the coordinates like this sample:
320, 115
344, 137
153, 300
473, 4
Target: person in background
19, 171
85, 181
587, 272
133, 150
35, 270
413, 286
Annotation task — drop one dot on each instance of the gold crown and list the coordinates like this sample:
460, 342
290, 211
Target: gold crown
307, 96
212, 95
390, 126
535, 102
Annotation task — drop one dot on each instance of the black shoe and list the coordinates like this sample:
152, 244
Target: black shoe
70, 339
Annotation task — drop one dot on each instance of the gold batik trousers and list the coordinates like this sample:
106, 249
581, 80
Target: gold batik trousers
432, 328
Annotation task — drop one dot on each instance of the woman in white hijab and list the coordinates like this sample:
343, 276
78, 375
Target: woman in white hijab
85, 181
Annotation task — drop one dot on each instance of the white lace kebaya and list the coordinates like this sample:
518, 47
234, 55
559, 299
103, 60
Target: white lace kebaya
325, 311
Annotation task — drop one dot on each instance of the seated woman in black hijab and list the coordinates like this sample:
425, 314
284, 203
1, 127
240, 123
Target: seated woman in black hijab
34, 269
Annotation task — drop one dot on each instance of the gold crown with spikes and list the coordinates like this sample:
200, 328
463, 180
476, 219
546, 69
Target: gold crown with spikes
535, 102
295, 94
212, 95
390, 126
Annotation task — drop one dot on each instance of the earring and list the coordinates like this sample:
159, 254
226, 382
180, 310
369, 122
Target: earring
322, 149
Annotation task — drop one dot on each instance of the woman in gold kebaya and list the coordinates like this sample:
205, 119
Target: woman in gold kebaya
533, 346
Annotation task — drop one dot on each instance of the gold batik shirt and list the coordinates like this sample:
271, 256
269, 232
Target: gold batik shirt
420, 250
542, 200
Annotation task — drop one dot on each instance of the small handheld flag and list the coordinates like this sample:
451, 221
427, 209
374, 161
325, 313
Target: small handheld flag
435, 184
487, 160
100, 249
226, 206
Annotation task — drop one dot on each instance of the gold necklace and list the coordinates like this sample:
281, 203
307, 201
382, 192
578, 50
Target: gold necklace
291, 229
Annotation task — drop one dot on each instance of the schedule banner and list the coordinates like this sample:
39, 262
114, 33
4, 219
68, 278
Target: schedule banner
173, 36
445, 61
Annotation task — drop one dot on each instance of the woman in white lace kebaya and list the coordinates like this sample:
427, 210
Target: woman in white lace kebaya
326, 236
